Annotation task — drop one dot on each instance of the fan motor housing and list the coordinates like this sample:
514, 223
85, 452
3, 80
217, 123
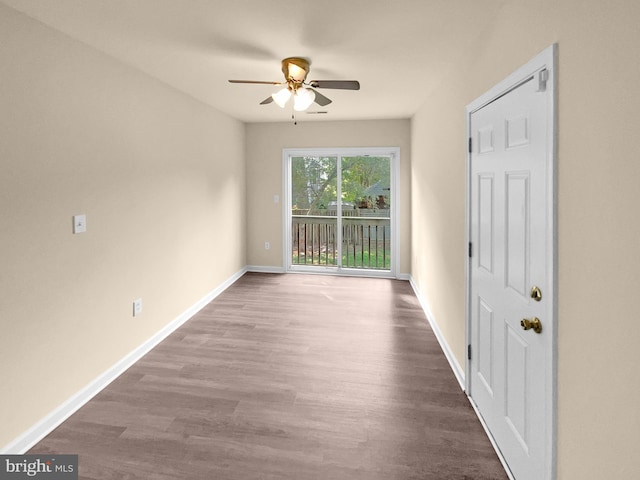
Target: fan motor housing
295, 69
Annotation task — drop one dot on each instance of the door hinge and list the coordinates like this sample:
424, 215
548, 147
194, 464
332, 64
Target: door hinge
469, 352
470, 145
543, 78
470, 249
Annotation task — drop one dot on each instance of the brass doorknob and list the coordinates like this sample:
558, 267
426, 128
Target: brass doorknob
534, 324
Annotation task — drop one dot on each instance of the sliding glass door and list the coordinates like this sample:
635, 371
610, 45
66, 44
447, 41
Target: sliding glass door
366, 220
340, 211
314, 210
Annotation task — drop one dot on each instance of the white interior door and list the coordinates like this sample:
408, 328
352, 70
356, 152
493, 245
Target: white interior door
511, 275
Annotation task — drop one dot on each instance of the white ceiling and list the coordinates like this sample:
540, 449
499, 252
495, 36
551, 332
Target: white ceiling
397, 49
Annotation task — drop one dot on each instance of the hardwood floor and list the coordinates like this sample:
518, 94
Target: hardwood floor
287, 377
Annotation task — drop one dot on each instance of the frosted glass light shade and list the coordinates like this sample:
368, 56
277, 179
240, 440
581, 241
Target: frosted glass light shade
281, 97
303, 99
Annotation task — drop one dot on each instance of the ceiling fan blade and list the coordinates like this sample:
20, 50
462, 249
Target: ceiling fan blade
255, 82
321, 99
267, 100
337, 84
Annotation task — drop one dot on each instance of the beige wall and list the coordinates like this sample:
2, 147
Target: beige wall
265, 142
599, 231
161, 180
80, 133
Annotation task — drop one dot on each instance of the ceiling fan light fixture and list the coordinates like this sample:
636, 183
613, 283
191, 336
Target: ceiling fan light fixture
296, 73
303, 99
295, 69
281, 97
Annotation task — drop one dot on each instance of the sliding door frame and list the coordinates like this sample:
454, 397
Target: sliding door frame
394, 156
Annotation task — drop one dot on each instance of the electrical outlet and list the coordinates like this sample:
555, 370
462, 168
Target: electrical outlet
137, 307
267, 246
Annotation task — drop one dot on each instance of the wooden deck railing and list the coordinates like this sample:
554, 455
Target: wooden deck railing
366, 241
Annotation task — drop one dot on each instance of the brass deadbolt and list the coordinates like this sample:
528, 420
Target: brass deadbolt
536, 294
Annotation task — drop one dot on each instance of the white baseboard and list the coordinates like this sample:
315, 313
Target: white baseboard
455, 366
46, 425
263, 269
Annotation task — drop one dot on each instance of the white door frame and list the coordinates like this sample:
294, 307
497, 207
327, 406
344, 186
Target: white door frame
394, 154
545, 61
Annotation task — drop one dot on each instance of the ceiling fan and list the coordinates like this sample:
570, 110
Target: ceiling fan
295, 70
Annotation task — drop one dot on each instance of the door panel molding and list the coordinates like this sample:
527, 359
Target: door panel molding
541, 70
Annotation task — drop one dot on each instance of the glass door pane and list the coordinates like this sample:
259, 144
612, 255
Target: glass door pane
314, 193
366, 220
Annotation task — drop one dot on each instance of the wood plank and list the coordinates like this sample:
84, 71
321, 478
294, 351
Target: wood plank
287, 376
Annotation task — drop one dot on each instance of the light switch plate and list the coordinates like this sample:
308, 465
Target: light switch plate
137, 307
79, 223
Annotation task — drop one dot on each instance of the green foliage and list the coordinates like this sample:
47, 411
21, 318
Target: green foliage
360, 173
314, 180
